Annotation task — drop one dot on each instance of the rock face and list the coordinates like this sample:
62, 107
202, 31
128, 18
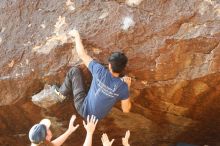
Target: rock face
174, 59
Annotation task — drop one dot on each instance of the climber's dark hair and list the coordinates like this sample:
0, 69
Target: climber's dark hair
118, 61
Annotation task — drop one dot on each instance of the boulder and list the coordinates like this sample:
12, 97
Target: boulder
174, 61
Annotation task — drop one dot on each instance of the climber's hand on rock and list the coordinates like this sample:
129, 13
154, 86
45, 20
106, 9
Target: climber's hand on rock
127, 80
72, 128
74, 33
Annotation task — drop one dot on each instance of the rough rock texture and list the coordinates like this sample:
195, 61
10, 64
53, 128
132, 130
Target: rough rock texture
174, 59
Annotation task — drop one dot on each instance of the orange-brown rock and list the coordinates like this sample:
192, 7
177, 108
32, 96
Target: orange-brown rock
174, 60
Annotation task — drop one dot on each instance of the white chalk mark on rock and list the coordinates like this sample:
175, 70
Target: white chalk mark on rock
144, 82
96, 50
27, 61
69, 2
11, 64
59, 24
70, 5
104, 15
52, 42
71, 8
127, 23
133, 2
43, 26
27, 44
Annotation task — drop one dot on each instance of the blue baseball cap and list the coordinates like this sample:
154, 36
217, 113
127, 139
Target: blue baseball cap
38, 132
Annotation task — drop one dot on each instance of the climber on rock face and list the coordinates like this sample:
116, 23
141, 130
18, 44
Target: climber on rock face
107, 86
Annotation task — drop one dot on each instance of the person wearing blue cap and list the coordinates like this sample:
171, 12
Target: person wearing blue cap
41, 135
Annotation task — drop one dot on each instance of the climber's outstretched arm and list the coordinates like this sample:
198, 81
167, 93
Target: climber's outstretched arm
126, 104
90, 128
79, 47
62, 138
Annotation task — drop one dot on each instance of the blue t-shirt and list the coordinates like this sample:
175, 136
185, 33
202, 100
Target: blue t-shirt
104, 92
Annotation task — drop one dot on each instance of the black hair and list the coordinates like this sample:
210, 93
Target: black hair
118, 61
